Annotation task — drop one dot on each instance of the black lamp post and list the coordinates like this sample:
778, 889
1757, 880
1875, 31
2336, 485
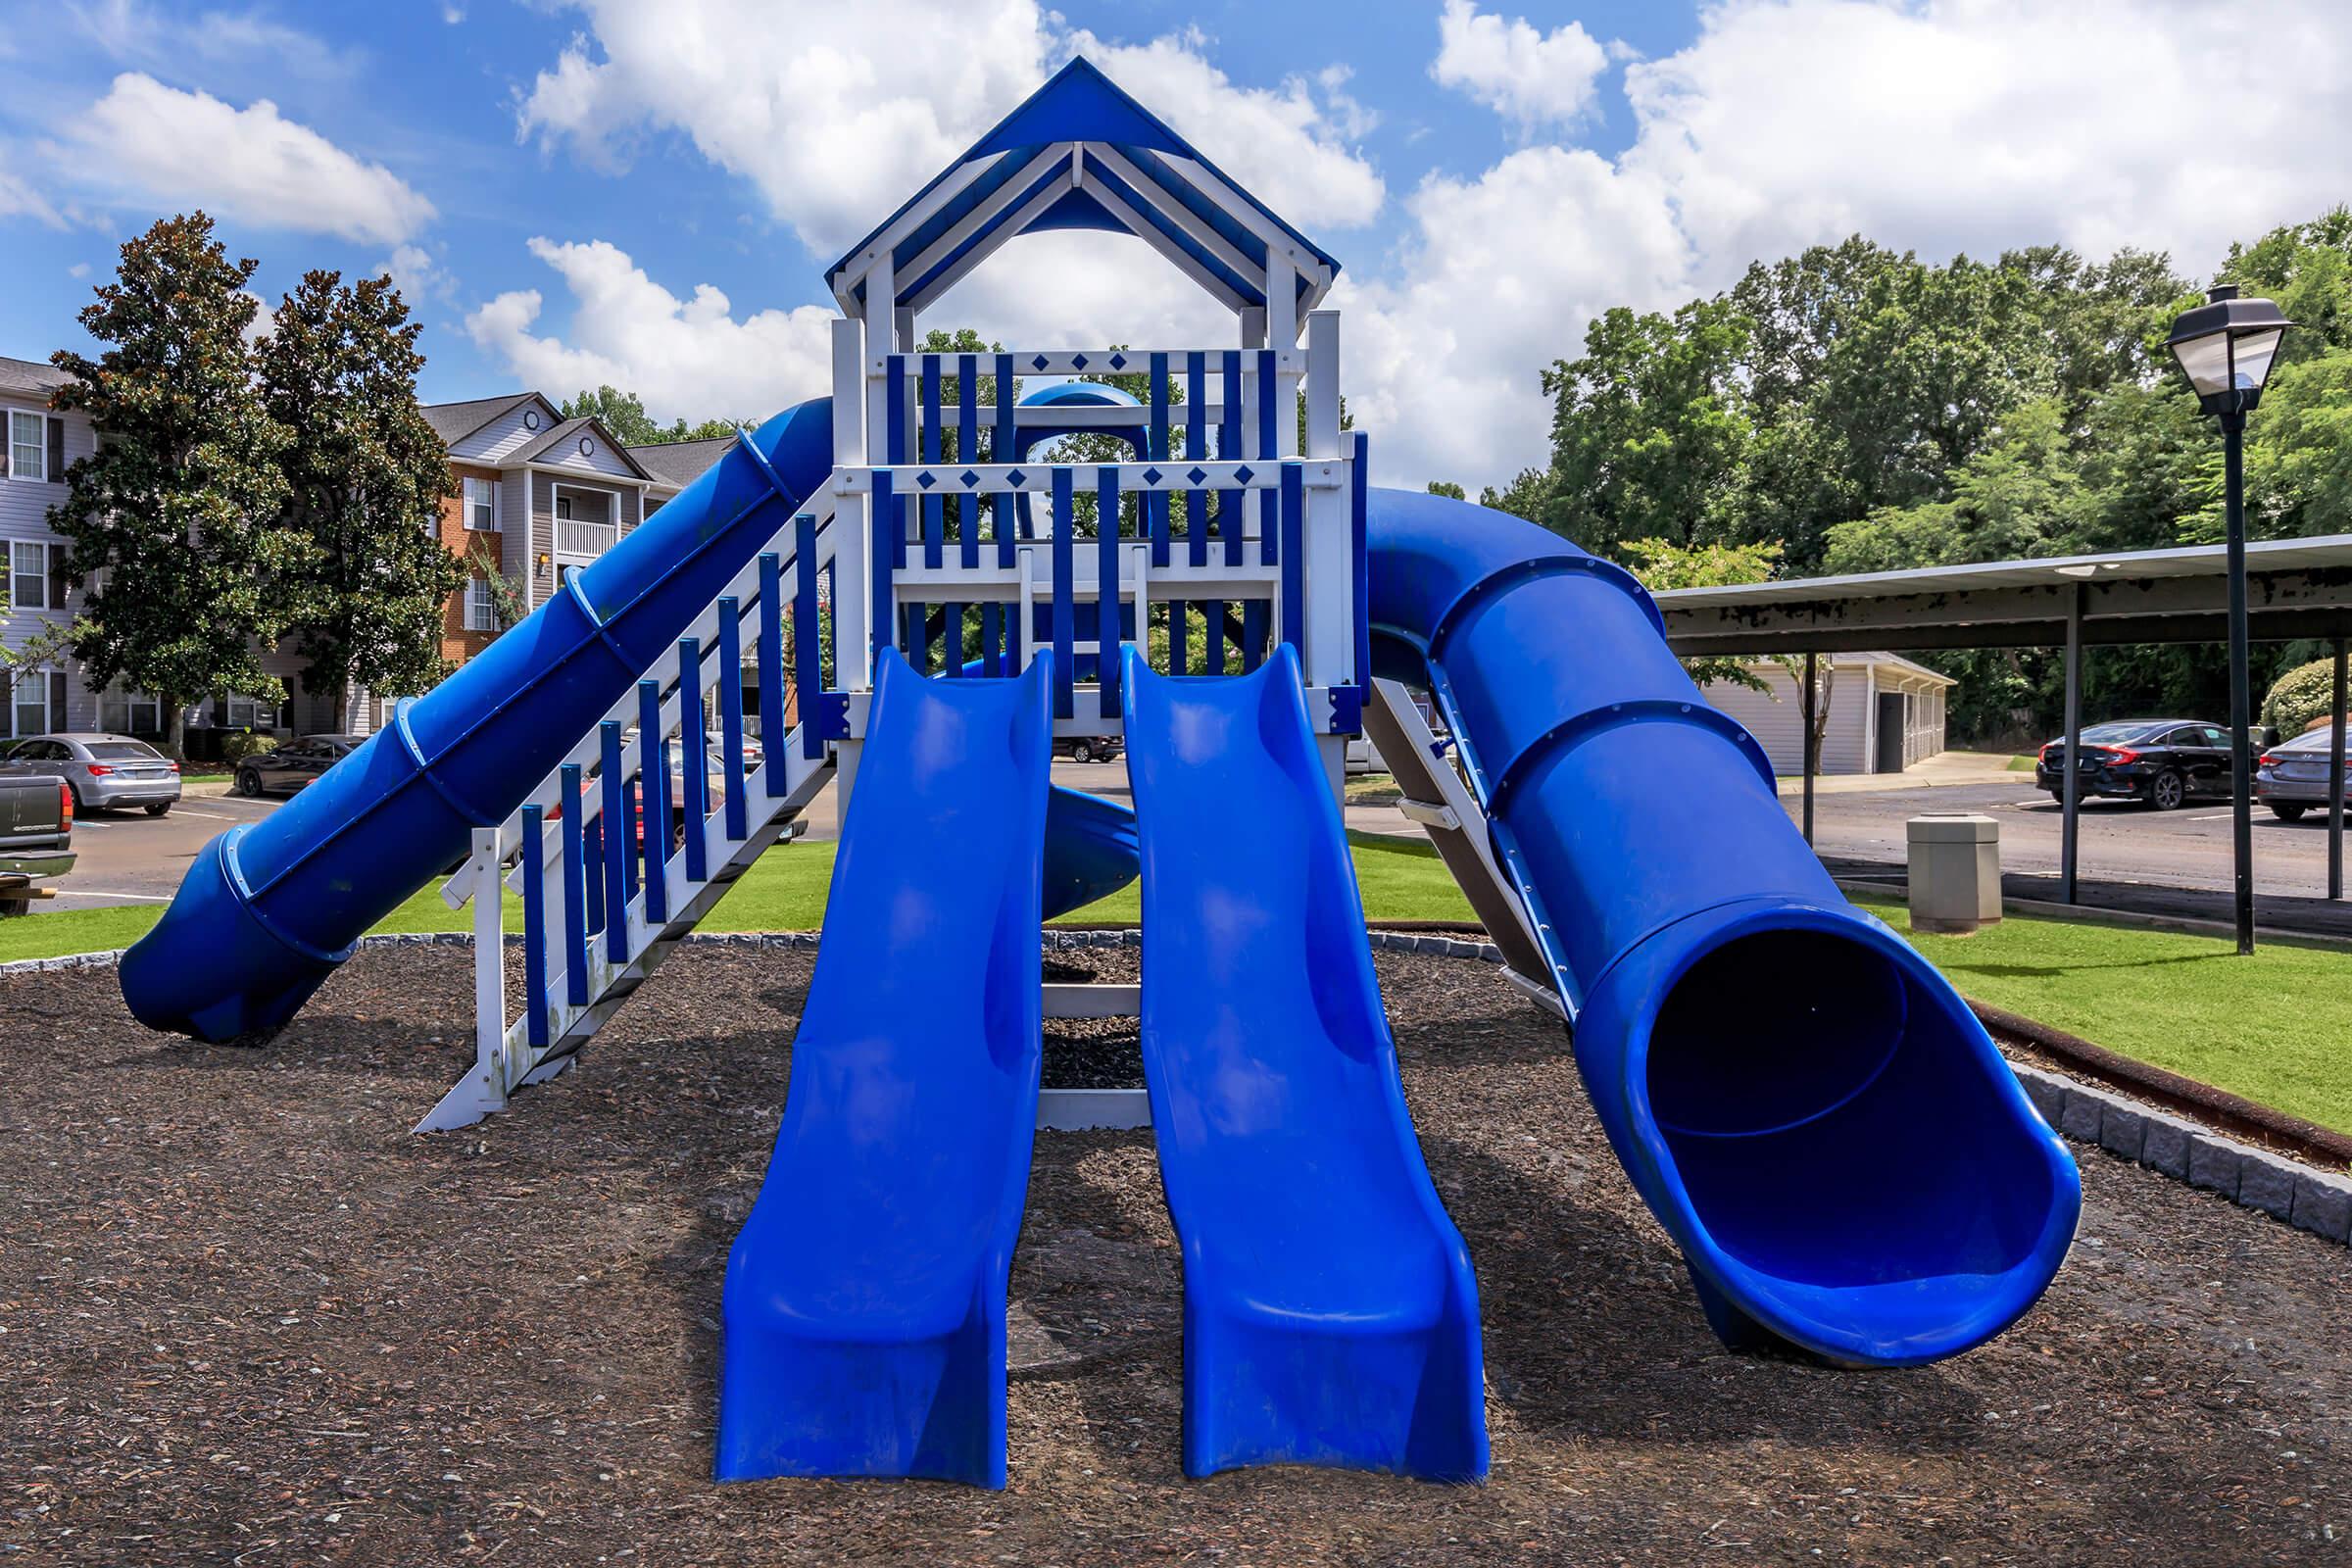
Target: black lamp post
2226, 348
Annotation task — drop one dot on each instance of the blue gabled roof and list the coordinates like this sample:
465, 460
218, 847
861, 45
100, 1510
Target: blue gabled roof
1080, 104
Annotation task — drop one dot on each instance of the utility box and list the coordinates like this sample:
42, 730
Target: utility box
1955, 873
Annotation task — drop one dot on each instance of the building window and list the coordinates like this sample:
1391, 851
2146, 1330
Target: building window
246, 713
481, 505
562, 507
28, 576
27, 446
31, 702
125, 712
481, 605
530, 418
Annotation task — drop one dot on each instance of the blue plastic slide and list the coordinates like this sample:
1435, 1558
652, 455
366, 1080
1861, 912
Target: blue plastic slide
268, 910
864, 1298
1330, 1315
1810, 1109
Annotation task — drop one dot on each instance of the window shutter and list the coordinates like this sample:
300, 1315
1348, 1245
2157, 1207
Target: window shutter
57, 700
56, 577
7, 706
56, 450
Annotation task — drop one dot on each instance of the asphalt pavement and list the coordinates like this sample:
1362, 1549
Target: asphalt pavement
2130, 856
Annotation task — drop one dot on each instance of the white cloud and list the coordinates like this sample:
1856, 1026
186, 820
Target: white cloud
686, 357
1950, 124
149, 142
264, 317
841, 113
418, 275
78, 270
1533, 78
20, 200
453, 13
1443, 365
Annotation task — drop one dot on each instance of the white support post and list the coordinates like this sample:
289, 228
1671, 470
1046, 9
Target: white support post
489, 961
1329, 644
880, 289
851, 591
1282, 333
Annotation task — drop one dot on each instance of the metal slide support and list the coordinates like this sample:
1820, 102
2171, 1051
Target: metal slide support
1439, 799
2070, 805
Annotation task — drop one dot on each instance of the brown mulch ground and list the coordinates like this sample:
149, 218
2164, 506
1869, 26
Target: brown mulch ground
246, 1316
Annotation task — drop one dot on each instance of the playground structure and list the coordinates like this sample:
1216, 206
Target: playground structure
1831, 1140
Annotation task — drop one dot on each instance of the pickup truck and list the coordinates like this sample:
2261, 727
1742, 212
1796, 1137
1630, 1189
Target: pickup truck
37, 835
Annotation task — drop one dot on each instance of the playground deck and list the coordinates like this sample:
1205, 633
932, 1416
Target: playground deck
248, 1316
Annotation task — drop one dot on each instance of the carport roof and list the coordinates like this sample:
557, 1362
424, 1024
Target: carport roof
2295, 588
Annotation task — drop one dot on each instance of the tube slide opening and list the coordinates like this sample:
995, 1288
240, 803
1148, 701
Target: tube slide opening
1836, 1120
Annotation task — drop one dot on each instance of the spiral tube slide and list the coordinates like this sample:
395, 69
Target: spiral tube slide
268, 910
1811, 1111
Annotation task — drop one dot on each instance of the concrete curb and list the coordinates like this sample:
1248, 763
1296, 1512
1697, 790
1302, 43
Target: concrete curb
2311, 1199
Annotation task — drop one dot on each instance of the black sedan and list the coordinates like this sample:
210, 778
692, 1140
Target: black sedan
290, 769
2163, 763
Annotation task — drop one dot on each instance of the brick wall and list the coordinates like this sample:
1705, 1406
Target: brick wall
457, 643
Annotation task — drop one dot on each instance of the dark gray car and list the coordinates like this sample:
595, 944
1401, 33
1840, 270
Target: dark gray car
291, 767
2293, 778
104, 772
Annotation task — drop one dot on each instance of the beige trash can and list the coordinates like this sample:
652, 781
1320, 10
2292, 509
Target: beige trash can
1955, 872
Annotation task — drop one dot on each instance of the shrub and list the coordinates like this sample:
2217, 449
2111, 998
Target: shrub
2301, 697
234, 749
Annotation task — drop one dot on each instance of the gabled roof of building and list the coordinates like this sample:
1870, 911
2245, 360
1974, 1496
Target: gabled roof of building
453, 422
678, 464
1080, 153
31, 376
568, 431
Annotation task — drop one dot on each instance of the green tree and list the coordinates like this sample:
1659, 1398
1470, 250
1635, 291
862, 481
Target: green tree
171, 522
1662, 565
624, 414
1444, 487
1650, 432
366, 477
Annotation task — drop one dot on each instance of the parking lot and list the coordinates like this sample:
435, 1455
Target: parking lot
2120, 840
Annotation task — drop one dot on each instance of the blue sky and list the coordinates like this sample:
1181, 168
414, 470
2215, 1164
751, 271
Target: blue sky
605, 189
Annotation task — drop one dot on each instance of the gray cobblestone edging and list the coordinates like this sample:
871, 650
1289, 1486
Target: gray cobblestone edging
2309, 1199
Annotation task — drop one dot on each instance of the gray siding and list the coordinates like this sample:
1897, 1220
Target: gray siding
1777, 722
504, 434
603, 461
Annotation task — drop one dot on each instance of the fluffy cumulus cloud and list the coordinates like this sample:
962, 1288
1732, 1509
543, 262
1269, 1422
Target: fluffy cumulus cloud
838, 113
687, 357
145, 141
1444, 359
1953, 124
1528, 75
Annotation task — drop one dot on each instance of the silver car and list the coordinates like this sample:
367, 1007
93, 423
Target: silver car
2292, 778
105, 773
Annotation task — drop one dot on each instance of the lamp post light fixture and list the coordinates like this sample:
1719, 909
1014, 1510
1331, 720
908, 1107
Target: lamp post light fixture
2226, 346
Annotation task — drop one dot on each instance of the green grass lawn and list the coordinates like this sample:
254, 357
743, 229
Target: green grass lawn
2275, 1028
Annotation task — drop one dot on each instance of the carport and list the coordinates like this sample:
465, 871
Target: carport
2295, 588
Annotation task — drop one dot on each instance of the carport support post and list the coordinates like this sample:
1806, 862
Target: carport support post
1807, 750
2070, 802
2241, 703
2335, 782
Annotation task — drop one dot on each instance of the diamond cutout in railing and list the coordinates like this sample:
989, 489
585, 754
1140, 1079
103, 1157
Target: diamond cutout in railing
924, 479
1040, 363
1152, 477
968, 478
1197, 475
1118, 361
1016, 478
1077, 362
1242, 474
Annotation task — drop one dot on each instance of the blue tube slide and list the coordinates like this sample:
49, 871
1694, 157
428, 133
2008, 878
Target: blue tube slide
864, 1298
268, 910
1811, 1111
1330, 1314
1090, 850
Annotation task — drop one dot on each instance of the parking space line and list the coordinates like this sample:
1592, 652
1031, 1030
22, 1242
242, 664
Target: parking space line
208, 816
101, 893
2210, 816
